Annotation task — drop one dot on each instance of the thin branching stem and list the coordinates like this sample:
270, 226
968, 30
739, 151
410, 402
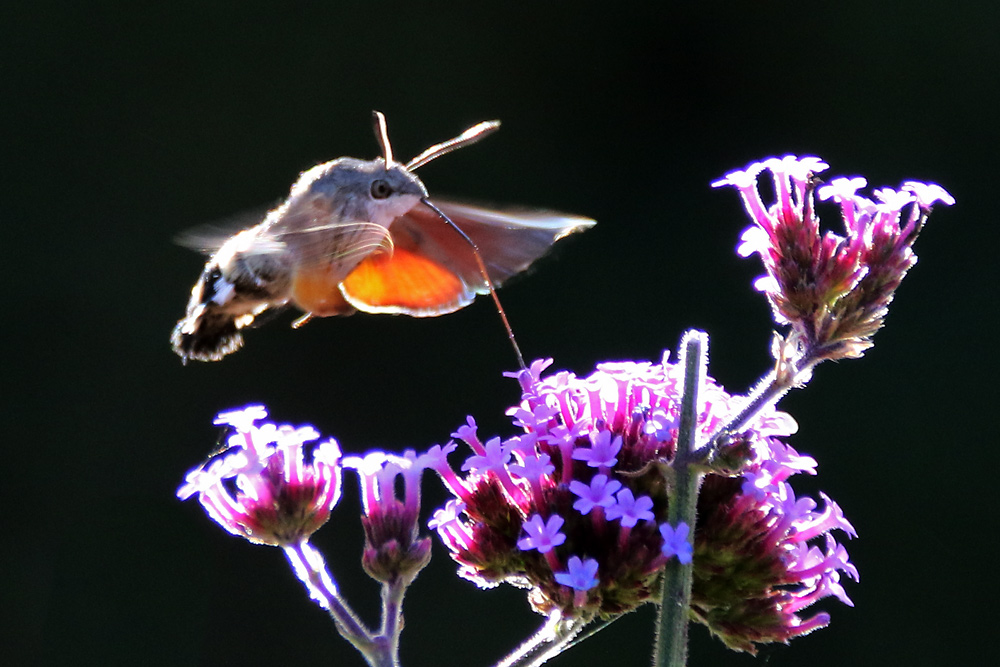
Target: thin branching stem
554, 637
378, 650
786, 375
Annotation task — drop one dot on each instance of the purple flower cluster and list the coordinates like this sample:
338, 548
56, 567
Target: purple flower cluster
393, 547
262, 488
834, 290
575, 506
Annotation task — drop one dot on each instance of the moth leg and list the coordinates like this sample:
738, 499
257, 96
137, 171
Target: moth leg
302, 320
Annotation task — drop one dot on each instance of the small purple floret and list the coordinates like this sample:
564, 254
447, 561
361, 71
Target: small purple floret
494, 458
581, 575
602, 453
630, 510
675, 542
542, 535
599, 493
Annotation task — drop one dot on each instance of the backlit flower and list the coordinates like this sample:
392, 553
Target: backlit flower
393, 547
591, 540
264, 487
833, 289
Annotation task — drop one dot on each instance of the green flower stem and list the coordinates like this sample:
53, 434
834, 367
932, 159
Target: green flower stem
671, 636
381, 650
310, 567
392, 622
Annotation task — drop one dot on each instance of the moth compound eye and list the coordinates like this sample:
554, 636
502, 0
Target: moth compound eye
380, 189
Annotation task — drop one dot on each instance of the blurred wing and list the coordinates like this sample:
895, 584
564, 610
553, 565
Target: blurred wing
325, 255
341, 244
432, 270
208, 237
318, 239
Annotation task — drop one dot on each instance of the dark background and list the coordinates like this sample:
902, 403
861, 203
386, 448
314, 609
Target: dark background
124, 124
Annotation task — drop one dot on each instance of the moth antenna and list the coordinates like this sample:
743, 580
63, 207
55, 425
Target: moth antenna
482, 269
470, 136
382, 136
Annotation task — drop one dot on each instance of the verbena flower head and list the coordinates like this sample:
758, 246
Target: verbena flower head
262, 487
834, 290
575, 507
393, 547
